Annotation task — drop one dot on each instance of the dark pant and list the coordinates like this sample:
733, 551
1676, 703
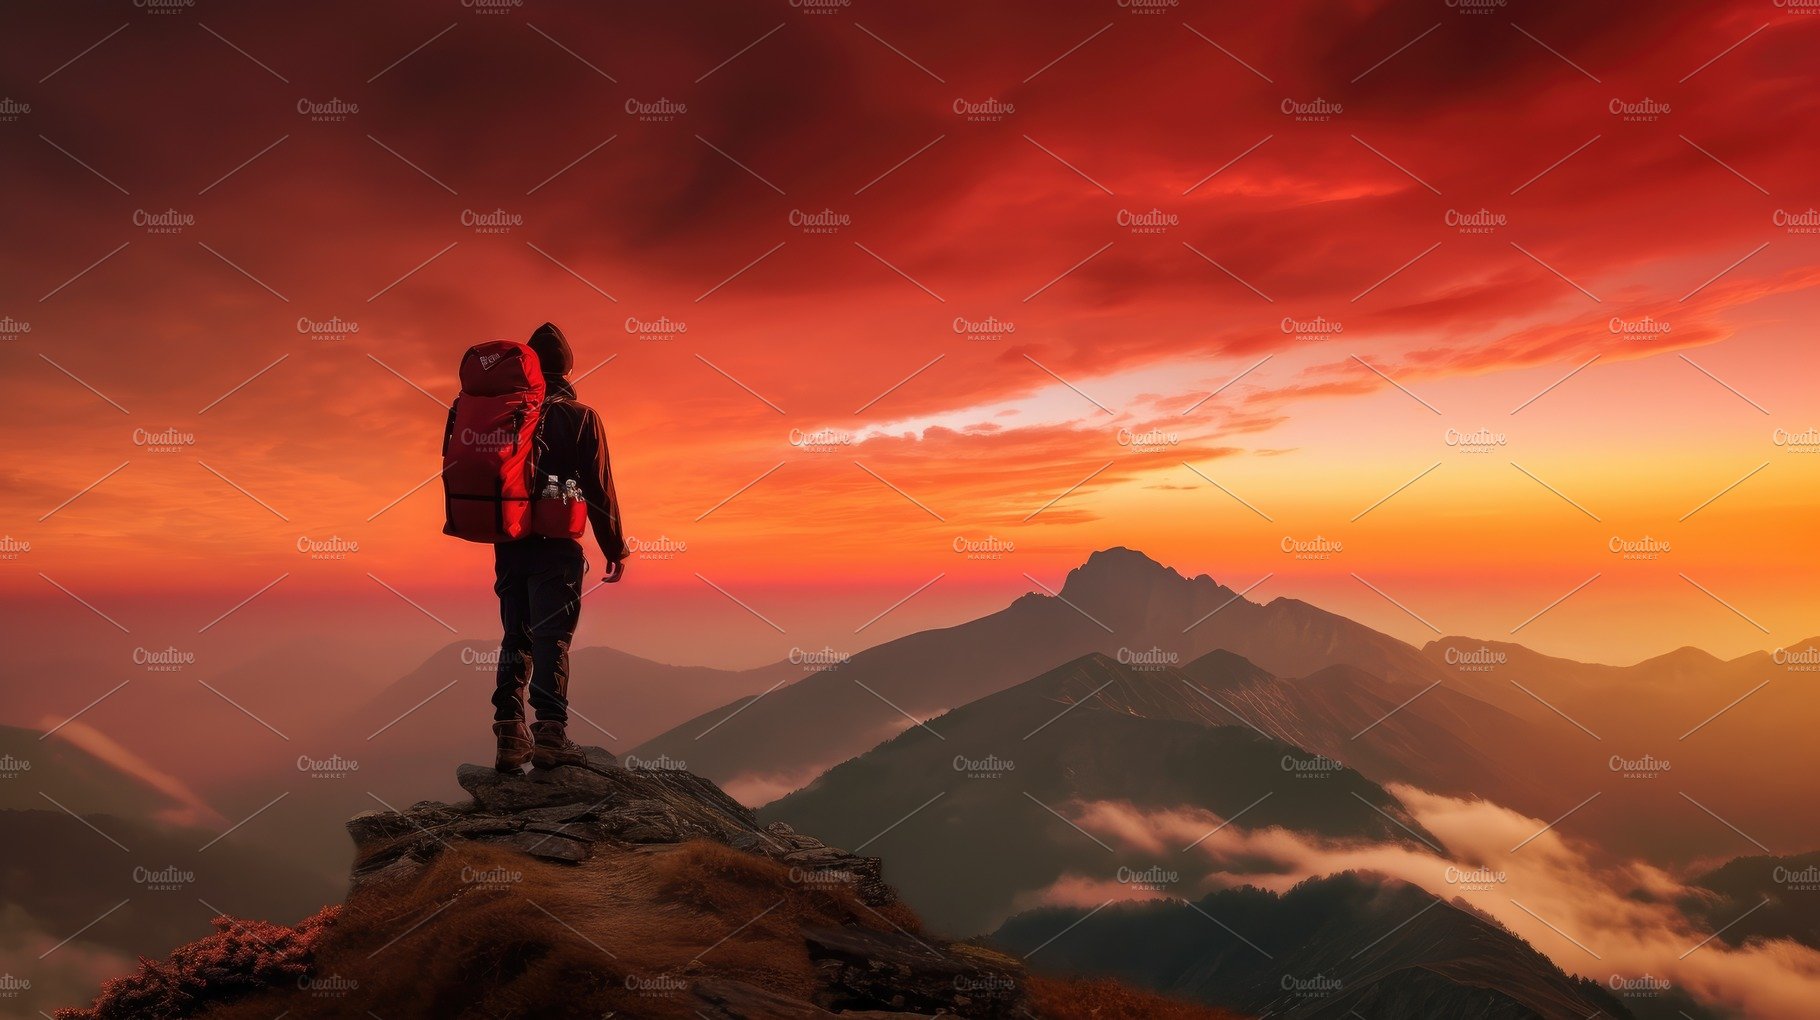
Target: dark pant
538, 581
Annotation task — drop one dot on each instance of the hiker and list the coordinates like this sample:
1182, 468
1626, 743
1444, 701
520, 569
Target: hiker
525, 465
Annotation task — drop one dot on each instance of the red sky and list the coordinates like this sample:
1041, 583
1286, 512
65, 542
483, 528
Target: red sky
1579, 220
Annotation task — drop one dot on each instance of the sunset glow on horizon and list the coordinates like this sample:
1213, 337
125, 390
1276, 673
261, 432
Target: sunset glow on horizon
1459, 324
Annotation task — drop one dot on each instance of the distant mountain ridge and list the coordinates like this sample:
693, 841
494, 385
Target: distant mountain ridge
1736, 732
1440, 740
1118, 602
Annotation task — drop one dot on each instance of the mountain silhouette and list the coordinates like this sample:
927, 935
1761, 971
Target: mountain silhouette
1143, 599
1119, 599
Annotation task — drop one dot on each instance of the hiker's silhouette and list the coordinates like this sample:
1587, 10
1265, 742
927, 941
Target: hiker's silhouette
525, 464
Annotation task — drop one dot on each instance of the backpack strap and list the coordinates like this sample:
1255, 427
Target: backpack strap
539, 446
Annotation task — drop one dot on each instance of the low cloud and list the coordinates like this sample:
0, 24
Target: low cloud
1600, 919
60, 972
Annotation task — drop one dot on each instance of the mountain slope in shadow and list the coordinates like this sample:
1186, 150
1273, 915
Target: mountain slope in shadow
1762, 897
971, 810
1346, 945
1439, 740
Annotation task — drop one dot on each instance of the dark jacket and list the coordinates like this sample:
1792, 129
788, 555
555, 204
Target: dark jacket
574, 445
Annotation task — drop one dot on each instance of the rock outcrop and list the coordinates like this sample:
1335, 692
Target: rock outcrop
561, 814
572, 814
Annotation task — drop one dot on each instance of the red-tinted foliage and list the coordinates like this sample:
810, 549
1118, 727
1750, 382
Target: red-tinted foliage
241, 957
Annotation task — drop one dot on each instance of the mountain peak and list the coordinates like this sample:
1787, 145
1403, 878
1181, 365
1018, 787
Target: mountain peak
1687, 657
1119, 569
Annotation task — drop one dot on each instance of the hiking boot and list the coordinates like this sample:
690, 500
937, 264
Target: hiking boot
514, 745
554, 746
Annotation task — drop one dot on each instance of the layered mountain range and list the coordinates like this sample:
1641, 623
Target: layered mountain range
977, 809
1136, 735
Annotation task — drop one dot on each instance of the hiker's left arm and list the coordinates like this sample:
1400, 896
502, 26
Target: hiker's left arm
597, 488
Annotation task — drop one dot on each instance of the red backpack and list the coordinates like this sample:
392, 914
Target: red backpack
487, 447
490, 448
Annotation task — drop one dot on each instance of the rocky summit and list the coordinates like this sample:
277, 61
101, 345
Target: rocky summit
571, 815
563, 814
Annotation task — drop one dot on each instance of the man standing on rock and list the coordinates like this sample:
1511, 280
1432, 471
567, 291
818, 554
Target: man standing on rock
539, 579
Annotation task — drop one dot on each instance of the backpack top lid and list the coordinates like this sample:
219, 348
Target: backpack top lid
499, 367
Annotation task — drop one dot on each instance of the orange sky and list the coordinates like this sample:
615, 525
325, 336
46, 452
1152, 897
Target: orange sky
1092, 118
